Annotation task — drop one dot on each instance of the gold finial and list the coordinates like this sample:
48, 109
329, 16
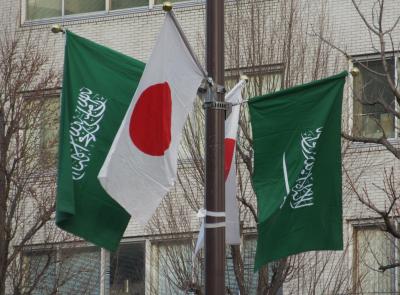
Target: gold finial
167, 6
244, 77
355, 71
57, 29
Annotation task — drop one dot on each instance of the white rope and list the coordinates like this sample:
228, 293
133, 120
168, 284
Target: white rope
242, 102
203, 213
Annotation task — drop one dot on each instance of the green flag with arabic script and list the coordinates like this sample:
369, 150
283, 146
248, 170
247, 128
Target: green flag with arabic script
98, 86
297, 169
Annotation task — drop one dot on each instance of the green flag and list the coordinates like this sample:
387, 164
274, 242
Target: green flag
297, 169
97, 88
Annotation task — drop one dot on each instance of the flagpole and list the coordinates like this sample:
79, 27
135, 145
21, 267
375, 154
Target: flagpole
168, 8
215, 184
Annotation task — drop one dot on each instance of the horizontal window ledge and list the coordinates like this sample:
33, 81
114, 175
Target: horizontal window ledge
368, 147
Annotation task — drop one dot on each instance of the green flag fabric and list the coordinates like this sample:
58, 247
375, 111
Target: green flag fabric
297, 169
98, 86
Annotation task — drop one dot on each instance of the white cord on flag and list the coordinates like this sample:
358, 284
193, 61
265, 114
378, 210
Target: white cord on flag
242, 102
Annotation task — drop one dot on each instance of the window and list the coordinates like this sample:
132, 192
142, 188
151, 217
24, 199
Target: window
42, 9
162, 1
78, 6
374, 248
36, 9
176, 272
127, 269
371, 118
63, 271
262, 79
49, 126
121, 4
40, 121
250, 278
174, 268
40, 269
39, 9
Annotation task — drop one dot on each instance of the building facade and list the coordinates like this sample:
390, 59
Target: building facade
278, 44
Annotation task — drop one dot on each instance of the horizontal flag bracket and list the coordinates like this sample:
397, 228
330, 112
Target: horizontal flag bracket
218, 105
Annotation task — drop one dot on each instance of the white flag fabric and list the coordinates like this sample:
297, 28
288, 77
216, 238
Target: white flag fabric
200, 240
141, 165
232, 230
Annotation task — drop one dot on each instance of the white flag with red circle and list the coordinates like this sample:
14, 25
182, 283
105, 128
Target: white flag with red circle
141, 165
232, 233
232, 229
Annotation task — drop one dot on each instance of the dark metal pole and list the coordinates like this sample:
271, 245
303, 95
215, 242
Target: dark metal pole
215, 129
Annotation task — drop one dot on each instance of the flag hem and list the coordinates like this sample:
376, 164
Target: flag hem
297, 87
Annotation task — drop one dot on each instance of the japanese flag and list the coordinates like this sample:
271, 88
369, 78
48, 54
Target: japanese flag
232, 232
141, 165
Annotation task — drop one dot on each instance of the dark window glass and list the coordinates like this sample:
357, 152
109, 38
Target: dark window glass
373, 248
162, 1
63, 271
371, 118
128, 269
37, 9
49, 132
79, 6
120, 4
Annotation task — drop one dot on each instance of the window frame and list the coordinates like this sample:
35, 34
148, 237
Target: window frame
106, 267
60, 251
189, 240
357, 59
261, 70
45, 95
368, 224
107, 12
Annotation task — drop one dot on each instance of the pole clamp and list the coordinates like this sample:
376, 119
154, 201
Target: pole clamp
218, 105
209, 90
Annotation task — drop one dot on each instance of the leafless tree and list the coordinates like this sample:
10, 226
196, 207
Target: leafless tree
31, 258
380, 197
271, 42
374, 111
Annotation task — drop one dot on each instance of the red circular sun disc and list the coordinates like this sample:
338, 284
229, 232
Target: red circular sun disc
150, 124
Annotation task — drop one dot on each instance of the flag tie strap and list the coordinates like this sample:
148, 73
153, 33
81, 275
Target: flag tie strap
203, 213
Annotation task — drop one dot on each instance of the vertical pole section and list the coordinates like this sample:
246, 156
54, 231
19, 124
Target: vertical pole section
104, 272
215, 182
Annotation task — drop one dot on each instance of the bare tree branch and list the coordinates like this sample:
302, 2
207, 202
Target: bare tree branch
381, 140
